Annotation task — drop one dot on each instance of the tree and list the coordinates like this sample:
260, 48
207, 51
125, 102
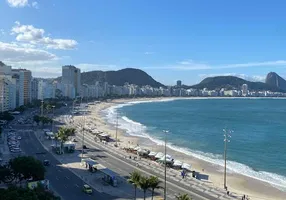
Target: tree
183, 197
37, 119
6, 174
26, 167
144, 184
15, 193
64, 133
154, 184
134, 180
6, 116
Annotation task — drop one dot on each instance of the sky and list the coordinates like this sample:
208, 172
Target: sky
171, 40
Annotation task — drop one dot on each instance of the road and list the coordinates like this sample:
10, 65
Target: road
124, 167
62, 180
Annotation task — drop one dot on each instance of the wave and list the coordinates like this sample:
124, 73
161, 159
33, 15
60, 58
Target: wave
134, 128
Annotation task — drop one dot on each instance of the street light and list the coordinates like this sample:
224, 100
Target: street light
116, 128
83, 135
42, 108
165, 174
53, 118
226, 140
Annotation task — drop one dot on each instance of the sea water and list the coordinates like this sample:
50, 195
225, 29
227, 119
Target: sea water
257, 146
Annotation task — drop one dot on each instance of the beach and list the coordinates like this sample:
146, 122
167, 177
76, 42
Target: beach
236, 183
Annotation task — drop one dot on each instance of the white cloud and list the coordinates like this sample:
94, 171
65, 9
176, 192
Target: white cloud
149, 53
2, 32
14, 53
28, 33
35, 5
189, 65
17, 3
85, 67
255, 78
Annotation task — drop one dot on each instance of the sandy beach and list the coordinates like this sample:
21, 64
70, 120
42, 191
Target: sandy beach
236, 183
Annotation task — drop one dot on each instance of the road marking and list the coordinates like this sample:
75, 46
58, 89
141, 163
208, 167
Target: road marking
57, 178
59, 170
76, 185
67, 177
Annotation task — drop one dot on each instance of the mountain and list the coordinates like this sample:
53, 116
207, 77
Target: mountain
120, 77
274, 79
232, 82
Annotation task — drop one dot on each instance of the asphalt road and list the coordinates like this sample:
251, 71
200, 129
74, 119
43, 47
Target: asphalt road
108, 159
62, 180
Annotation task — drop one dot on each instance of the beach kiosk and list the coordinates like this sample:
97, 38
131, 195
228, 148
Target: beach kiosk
90, 164
109, 176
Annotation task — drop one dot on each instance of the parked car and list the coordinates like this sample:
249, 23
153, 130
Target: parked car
19, 137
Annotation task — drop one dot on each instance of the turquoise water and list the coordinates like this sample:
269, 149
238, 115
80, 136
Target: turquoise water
258, 143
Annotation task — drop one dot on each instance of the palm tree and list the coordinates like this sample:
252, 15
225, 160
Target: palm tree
154, 184
183, 197
144, 184
134, 180
64, 133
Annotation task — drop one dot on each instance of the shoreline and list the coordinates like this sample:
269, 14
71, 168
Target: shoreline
241, 184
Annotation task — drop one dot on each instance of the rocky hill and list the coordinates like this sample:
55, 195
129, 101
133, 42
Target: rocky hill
120, 77
274, 79
232, 82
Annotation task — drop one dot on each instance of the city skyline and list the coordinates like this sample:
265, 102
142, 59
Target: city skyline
187, 41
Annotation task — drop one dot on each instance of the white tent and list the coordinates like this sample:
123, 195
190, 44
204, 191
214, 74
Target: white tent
177, 163
152, 153
186, 166
159, 155
137, 148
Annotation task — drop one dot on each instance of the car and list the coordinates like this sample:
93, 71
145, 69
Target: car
87, 189
74, 140
19, 138
46, 162
84, 146
16, 150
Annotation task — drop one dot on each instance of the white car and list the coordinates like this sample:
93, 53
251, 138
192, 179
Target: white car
19, 137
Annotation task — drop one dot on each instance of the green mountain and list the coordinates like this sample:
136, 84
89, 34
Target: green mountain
120, 77
274, 79
232, 82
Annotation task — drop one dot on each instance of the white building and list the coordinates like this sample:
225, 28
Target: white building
46, 90
71, 75
23, 80
7, 88
244, 89
67, 90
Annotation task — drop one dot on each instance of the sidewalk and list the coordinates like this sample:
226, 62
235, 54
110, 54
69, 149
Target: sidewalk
72, 161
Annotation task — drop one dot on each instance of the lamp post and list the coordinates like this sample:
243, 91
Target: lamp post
116, 128
42, 108
226, 140
165, 173
83, 135
53, 118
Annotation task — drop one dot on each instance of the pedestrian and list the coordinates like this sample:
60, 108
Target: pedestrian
227, 193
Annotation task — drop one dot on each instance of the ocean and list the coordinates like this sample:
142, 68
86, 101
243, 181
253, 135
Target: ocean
257, 146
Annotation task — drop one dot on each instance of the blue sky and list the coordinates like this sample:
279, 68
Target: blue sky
170, 40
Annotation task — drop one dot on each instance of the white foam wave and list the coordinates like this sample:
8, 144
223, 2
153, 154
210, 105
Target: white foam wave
137, 129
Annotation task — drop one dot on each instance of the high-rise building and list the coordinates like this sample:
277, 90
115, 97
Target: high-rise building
179, 83
34, 88
4, 94
71, 75
46, 90
23, 85
244, 89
